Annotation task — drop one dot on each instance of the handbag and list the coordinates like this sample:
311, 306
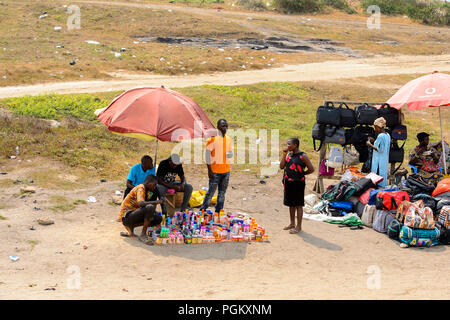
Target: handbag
318, 134
396, 153
328, 114
335, 135
399, 132
348, 118
324, 170
389, 114
335, 157
351, 156
366, 114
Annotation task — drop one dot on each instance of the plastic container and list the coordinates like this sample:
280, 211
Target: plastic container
159, 240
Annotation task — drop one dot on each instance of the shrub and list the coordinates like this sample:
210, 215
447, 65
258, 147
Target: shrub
253, 4
429, 13
299, 6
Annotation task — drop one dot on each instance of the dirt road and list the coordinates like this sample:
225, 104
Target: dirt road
328, 70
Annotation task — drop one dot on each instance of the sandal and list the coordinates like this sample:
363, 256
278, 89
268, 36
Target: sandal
124, 234
293, 231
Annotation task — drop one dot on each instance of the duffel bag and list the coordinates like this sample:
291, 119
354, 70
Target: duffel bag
444, 237
419, 237
442, 187
348, 118
364, 198
403, 209
346, 206
328, 114
393, 230
442, 203
444, 217
362, 185
366, 114
373, 195
368, 215
418, 185
334, 134
382, 220
318, 134
399, 132
428, 201
339, 192
419, 218
389, 200
389, 114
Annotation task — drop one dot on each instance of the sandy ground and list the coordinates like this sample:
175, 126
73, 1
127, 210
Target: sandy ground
328, 70
322, 262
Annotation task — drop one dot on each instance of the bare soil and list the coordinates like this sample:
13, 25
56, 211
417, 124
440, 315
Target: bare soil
322, 262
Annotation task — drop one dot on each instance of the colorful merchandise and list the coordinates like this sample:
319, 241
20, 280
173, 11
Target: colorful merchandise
208, 227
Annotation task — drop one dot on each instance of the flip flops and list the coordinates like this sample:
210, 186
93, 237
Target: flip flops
124, 234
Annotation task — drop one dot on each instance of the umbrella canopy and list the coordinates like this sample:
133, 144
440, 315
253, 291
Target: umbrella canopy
432, 90
156, 112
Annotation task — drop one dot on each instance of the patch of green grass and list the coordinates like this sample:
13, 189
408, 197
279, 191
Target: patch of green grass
56, 107
62, 207
79, 201
2, 217
33, 243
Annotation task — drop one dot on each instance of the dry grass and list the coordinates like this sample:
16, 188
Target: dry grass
29, 53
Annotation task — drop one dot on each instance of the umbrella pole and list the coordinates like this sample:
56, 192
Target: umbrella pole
443, 145
156, 150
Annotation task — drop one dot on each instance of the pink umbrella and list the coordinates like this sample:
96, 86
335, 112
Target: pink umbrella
432, 90
156, 112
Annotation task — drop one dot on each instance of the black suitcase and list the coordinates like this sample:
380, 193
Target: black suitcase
348, 118
366, 114
444, 236
389, 114
328, 114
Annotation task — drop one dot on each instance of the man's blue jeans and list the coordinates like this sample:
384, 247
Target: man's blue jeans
220, 180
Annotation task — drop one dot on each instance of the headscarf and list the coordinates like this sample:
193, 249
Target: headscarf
380, 122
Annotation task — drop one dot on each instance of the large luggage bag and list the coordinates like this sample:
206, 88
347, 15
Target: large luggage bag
444, 217
348, 118
366, 114
444, 237
389, 200
420, 218
382, 220
394, 228
389, 114
419, 237
328, 114
368, 215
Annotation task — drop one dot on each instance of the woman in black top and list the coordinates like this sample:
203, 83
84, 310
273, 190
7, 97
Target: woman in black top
295, 162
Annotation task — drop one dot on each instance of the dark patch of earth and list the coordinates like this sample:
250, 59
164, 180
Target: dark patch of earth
276, 44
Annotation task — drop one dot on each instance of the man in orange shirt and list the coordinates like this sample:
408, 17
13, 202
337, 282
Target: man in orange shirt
218, 153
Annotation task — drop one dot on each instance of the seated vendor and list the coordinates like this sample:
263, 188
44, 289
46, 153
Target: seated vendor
139, 209
138, 173
168, 170
423, 156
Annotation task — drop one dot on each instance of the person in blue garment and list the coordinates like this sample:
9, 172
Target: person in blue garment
381, 147
138, 173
